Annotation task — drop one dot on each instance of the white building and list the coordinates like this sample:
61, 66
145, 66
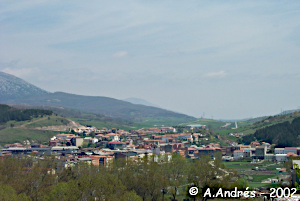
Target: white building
281, 157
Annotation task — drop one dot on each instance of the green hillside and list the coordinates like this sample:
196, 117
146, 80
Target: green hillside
282, 134
252, 128
52, 120
12, 135
19, 125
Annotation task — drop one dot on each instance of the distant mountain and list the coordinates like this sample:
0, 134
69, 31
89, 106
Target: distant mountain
12, 87
140, 102
17, 91
109, 107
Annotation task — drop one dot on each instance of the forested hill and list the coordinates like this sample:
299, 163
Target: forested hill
282, 134
8, 113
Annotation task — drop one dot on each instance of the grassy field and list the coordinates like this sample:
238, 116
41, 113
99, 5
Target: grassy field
12, 135
49, 121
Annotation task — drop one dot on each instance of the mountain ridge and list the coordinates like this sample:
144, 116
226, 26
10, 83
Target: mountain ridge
12, 87
107, 106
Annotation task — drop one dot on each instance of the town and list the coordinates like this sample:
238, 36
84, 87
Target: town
99, 147
88, 142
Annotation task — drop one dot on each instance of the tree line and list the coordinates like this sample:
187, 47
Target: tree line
27, 178
8, 113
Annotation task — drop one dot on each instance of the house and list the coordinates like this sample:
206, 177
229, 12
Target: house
208, 152
113, 137
254, 144
53, 143
290, 149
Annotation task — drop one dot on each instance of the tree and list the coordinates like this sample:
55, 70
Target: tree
176, 170
206, 173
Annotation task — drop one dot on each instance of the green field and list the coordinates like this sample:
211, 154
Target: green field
12, 135
49, 121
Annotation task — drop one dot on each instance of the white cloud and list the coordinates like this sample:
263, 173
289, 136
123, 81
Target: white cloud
219, 74
120, 54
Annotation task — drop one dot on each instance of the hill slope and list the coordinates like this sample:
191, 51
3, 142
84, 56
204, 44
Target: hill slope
282, 134
17, 91
107, 106
34, 125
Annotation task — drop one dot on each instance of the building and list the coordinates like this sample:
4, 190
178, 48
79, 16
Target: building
77, 142
260, 152
115, 145
208, 152
270, 157
281, 157
290, 150
279, 151
237, 154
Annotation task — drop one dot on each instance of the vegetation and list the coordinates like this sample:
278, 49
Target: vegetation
108, 107
12, 135
48, 121
250, 127
254, 178
8, 113
284, 134
29, 178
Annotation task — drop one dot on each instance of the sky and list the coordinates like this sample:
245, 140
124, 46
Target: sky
212, 59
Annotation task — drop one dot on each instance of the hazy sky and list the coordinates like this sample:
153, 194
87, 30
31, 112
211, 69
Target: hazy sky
227, 59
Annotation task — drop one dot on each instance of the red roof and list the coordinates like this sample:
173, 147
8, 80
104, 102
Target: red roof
291, 154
